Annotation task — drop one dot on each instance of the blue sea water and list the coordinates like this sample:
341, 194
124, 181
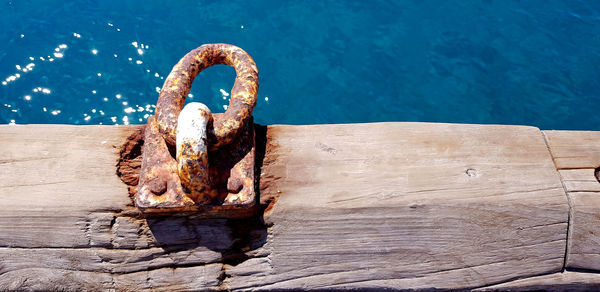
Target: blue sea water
529, 62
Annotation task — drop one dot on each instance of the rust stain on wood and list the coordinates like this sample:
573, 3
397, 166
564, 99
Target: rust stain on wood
130, 159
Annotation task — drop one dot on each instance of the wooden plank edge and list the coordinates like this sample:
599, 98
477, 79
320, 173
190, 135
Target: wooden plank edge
564, 281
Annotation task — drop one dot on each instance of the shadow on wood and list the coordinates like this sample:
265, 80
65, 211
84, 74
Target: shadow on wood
232, 238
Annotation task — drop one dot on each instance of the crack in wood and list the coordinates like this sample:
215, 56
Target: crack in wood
570, 214
9, 161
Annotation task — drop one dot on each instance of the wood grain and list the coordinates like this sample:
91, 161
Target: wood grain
385, 205
566, 281
584, 235
55, 176
577, 154
580, 180
61, 222
406, 205
574, 149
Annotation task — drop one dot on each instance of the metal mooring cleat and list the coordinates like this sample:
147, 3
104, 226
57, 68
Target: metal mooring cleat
196, 161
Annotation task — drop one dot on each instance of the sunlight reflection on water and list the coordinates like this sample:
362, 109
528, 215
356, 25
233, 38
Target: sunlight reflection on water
520, 62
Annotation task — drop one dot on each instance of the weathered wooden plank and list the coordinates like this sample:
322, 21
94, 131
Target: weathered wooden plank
584, 233
396, 205
577, 154
166, 279
117, 261
566, 281
580, 180
574, 149
61, 226
406, 205
52, 177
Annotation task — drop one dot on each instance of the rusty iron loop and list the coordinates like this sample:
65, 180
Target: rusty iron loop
224, 127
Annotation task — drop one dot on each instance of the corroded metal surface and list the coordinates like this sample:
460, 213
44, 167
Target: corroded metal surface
179, 82
231, 170
192, 151
225, 186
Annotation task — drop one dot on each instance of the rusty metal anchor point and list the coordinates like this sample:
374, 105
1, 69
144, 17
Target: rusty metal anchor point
195, 161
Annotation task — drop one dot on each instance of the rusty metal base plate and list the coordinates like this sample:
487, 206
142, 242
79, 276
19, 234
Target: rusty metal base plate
231, 170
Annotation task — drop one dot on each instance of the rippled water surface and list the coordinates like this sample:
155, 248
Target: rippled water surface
533, 62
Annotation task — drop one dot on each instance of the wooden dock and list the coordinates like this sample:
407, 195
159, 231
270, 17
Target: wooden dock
354, 206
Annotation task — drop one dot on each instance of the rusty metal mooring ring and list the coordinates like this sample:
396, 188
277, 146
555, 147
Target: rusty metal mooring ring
179, 82
166, 184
